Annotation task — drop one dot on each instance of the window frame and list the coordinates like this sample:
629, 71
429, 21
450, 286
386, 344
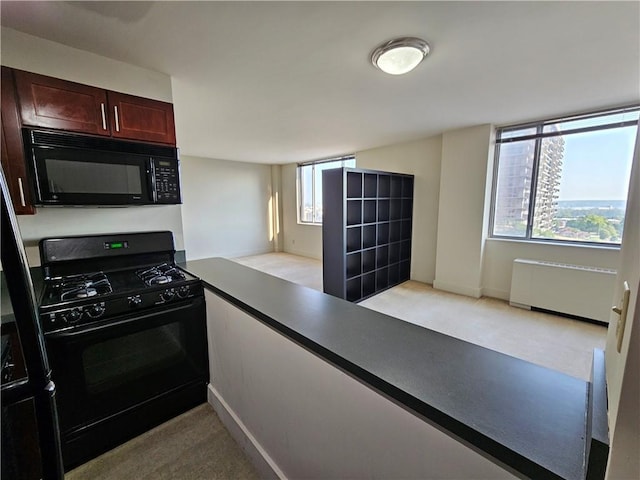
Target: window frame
538, 137
299, 184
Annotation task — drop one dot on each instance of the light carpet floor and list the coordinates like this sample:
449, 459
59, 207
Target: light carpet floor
193, 446
556, 342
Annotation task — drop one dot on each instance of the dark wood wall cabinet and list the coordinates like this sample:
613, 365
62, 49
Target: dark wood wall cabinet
54, 103
33, 100
366, 231
13, 161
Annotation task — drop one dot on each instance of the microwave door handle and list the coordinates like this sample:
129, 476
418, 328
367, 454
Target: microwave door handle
37, 178
152, 170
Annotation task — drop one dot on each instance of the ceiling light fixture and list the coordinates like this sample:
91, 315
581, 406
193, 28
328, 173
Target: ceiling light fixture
400, 55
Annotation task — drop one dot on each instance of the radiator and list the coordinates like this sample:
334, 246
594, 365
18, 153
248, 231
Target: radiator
570, 289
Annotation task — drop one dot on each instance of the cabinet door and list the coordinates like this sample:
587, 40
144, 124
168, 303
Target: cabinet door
13, 162
137, 118
53, 103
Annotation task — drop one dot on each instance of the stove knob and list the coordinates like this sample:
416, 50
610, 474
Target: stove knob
72, 316
183, 291
96, 311
135, 301
167, 294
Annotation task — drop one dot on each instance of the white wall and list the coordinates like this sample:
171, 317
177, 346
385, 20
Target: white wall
467, 155
33, 54
422, 159
623, 368
226, 208
300, 417
61, 221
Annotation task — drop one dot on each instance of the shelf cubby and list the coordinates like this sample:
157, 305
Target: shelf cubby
354, 239
405, 229
395, 209
384, 186
407, 208
354, 289
395, 230
366, 231
368, 236
394, 273
370, 185
354, 264
407, 187
405, 250
382, 278
354, 185
383, 210
368, 260
354, 212
404, 273
396, 187
382, 256
368, 284
383, 233
369, 211
394, 252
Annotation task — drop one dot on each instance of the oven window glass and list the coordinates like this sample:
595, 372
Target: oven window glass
110, 364
67, 176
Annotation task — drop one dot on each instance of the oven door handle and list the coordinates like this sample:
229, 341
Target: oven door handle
84, 330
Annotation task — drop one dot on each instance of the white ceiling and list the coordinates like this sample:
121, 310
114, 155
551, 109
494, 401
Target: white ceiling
279, 82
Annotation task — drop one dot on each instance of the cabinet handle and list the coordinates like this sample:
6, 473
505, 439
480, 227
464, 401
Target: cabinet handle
104, 117
21, 188
115, 111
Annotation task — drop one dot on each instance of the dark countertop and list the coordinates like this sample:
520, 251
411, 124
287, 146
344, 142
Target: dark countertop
526, 416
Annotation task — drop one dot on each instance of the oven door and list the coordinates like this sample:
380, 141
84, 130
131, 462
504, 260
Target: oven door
128, 363
75, 176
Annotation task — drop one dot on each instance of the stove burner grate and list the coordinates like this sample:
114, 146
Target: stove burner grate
82, 286
160, 274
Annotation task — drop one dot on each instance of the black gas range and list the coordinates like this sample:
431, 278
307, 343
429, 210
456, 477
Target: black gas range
125, 332
77, 299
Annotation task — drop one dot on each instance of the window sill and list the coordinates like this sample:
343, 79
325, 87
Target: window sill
309, 224
591, 246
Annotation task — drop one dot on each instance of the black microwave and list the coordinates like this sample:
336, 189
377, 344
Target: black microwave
72, 169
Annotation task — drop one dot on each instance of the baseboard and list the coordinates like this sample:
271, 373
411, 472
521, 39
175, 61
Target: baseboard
302, 253
459, 289
231, 254
264, 464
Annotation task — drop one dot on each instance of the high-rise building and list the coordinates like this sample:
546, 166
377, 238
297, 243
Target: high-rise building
548, 188
514, 185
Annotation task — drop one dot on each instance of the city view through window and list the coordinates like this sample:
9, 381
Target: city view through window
565, 181
310, 187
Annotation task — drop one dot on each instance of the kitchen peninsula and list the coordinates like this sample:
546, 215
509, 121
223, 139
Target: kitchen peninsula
314, 386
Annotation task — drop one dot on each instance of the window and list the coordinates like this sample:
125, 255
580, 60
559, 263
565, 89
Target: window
310, 186
565, 179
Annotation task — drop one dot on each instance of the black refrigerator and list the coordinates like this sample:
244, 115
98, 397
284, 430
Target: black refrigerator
30, 446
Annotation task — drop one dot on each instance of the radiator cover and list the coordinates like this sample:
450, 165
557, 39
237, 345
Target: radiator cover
570, 289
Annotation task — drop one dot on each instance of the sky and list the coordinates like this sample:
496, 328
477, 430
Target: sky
597, 165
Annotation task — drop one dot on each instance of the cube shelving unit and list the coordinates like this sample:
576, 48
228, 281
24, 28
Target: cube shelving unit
366, 231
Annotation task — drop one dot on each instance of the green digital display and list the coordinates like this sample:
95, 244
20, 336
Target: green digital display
164, 164
115, 245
